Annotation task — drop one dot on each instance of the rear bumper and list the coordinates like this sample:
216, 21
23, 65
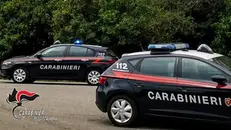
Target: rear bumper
100, 106
100, 100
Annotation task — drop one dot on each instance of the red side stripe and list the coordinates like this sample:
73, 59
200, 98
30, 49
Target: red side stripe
65, 58
100, 62
79, 58
141, 77
97, 60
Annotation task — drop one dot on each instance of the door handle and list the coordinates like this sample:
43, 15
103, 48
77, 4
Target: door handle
183, 89
84, 60
139, 85
58, 60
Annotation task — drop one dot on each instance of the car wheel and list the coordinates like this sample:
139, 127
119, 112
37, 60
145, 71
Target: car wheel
20, 75
93, 77
122, 111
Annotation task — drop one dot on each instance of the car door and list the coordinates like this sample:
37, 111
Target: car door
79, 58
49, 63
154, 80
203, 99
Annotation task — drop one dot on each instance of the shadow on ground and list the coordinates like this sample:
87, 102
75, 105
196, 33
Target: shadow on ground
51, 83
179, 124
173, 124
63, 83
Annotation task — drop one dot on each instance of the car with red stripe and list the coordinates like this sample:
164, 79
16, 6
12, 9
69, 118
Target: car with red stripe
79, 62
170, 82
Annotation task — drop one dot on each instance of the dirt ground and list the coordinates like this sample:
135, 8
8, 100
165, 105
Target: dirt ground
69, 106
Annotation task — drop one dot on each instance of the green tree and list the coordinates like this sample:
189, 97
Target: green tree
222, 28
125, 25
24, 24
133, 23
74, 19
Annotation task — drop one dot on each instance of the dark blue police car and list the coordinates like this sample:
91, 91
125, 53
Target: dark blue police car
170, 81
79, 62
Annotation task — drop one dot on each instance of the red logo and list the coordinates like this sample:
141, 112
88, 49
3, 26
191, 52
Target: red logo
19, 96
228, 102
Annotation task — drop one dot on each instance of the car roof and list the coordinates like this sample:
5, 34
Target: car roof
194, 53
95, 47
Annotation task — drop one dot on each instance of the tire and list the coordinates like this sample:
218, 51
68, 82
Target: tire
20, 75
93, 76
129, 102
30, 81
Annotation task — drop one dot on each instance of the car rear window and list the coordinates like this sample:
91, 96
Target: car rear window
134, 62
111, 53
107, 53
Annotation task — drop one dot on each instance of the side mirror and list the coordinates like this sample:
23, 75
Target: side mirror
38, 55
219, 79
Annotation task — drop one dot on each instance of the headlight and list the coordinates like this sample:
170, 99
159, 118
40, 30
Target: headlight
7, 63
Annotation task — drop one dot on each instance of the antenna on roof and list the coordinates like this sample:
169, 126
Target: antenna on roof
57, 42
205, 48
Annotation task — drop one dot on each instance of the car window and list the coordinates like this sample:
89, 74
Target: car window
106, 53
77, 51
90, 52
54, 52
133, 62
159, 66
195, 69
223, 61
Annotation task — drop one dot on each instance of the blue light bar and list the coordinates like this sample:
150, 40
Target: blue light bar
168, 46
78, 42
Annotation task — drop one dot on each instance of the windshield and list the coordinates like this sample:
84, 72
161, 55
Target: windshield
39, 51
223, 61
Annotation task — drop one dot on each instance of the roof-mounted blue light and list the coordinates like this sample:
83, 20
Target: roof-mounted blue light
78, 42
168, 46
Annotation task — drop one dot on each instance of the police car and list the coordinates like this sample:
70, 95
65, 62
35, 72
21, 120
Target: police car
169, 80
78, 62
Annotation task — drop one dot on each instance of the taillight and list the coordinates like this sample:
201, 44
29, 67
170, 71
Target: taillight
102, 80
112, 61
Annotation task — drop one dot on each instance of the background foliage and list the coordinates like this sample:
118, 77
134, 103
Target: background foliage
27, 26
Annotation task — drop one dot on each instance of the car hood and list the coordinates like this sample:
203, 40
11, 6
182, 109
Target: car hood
18, 58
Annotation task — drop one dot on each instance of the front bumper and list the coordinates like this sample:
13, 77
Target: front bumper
4, 73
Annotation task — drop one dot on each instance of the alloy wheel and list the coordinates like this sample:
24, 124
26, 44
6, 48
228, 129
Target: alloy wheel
93, 77
19, 75
121, 111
